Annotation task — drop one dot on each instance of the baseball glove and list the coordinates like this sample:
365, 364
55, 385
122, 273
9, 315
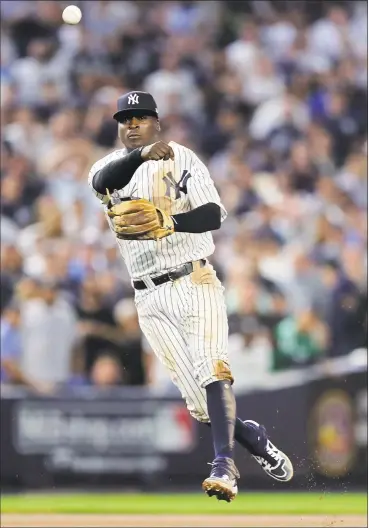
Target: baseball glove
139, 219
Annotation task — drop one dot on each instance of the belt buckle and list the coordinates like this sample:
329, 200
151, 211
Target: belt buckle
149, 283
170, 271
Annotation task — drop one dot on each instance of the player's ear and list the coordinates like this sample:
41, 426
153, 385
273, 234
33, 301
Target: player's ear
158, 125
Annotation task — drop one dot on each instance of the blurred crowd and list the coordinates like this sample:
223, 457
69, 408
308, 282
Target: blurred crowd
272, 95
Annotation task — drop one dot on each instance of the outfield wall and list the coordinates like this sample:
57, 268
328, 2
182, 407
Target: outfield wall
131, 437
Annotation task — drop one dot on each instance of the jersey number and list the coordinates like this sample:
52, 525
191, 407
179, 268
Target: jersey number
178, 187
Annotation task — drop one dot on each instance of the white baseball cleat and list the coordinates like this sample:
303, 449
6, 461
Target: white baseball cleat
222, 482
274, 462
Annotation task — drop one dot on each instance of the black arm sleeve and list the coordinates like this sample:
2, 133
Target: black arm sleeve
118, 173
205, 218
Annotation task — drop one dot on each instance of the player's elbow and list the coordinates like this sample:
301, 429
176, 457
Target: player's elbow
216, 216
98, 183
217, 225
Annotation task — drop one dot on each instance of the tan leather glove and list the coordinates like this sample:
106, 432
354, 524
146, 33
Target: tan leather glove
139, 219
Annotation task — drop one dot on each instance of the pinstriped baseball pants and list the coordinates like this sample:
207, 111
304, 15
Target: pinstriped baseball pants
186, 326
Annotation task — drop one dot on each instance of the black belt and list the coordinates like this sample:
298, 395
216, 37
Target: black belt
172, 275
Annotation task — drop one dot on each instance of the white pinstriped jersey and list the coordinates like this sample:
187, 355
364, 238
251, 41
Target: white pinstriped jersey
177, 186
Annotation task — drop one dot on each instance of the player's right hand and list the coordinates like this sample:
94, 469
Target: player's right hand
157, 151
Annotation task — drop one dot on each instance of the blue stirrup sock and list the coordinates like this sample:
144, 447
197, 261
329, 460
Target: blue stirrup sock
222, 413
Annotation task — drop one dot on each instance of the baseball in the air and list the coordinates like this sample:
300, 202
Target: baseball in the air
72, 14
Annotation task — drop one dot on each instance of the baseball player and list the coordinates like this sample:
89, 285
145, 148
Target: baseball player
162, 205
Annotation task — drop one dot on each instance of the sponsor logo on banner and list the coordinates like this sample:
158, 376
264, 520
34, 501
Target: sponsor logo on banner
332, 433
102, 437
175, 429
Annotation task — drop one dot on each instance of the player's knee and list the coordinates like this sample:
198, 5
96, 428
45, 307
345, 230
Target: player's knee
200, 415
197, 406
212, 369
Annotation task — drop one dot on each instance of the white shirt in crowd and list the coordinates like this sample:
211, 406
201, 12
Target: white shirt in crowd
48, 335
242, 57
249, 364
29, 76
174, 91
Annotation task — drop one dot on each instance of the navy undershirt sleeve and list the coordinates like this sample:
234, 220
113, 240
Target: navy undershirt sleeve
205, 218
118, 173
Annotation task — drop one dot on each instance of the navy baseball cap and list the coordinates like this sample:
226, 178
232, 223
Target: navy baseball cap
133, 102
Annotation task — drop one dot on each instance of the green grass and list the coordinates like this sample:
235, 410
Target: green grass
246, 503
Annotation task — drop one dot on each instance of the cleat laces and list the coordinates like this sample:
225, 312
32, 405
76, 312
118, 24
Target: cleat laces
273, 456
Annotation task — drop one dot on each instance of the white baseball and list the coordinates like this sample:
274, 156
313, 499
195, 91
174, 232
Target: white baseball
72, 14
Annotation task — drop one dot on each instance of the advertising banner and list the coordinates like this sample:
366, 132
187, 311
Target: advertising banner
321, 424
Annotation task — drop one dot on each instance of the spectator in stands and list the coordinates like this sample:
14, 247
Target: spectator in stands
175, 88
341, 125
329, 37
44, 60
348, 311
130, 349
97, 328
11, 347
106, 372
48, 331
11, 271
250, 351
20, 187
299, 341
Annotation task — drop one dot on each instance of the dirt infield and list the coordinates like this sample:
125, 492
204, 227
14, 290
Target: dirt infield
162, 521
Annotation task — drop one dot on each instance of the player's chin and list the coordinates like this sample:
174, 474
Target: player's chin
135, 142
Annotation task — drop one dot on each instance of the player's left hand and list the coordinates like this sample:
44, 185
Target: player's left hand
139, 219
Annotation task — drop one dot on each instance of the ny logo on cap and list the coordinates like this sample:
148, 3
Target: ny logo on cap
133, 99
